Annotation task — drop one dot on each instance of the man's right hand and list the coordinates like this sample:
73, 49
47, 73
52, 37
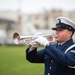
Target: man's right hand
33, 45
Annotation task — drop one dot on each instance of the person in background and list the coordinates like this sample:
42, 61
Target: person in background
56, 60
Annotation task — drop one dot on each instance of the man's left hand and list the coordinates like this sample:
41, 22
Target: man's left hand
42, 41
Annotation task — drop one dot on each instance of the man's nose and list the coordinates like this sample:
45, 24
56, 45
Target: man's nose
57, 32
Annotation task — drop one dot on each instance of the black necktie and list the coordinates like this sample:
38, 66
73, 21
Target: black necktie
58, 45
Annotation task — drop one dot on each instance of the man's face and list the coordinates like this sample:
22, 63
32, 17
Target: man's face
62, 35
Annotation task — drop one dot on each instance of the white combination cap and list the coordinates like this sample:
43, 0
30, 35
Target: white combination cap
64, 23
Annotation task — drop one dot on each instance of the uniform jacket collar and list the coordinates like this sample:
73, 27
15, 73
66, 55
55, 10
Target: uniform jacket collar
66, 44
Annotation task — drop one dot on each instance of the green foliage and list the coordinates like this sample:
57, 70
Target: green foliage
13, 62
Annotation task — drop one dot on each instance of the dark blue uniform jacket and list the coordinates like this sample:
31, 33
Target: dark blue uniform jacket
55, 60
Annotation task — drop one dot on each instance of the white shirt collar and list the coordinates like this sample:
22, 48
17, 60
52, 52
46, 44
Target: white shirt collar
61, 43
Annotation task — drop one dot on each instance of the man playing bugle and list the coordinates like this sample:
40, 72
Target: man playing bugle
59, 58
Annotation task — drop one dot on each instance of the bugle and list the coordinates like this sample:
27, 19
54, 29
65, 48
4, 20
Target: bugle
28, 39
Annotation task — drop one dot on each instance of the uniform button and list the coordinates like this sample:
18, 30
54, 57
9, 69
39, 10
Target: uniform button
48, 73
45, 58
50, 67
51, 60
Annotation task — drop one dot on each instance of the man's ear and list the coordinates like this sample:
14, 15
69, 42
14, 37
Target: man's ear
70, 33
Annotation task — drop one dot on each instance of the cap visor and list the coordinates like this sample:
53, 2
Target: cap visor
54, 28
58, 28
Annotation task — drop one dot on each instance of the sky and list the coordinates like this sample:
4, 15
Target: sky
35, 6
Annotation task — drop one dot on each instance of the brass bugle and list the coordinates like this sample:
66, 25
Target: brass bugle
27, 39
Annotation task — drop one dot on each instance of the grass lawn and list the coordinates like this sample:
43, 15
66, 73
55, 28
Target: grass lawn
13, 62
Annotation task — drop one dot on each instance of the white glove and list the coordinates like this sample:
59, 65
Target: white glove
42, 41
30, 41
34, 44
